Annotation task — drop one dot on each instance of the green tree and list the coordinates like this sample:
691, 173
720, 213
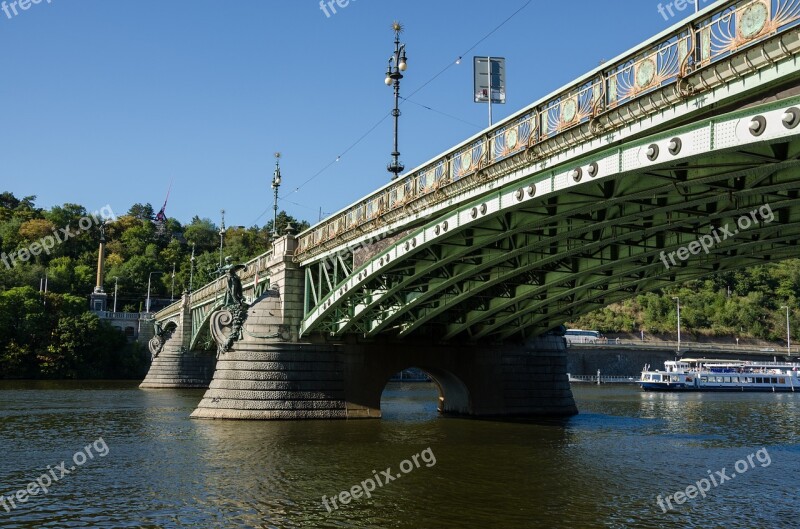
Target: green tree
142, 211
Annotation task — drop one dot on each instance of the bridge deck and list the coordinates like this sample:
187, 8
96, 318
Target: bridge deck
628, 88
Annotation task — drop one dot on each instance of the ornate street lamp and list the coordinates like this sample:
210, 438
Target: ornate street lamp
149, 278
679, 322
276, 183
221, 239
191, 269
397, 65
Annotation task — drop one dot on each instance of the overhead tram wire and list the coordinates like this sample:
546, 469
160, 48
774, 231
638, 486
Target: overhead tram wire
458, 60
445, 114
423, 85
315, 175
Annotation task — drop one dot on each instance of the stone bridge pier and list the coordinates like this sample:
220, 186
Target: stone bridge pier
266, 373
174, 365
329, 381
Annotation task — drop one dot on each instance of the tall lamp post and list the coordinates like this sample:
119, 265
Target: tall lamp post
397, 65
788, 334
191, 269
679, 322
221, 237
116, 282
149, 278
172, 294
276, 183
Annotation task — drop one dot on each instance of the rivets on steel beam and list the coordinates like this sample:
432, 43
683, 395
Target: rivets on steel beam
758, 125
652, 152
791, 118
531, 190
593, 169
576, 174
483, 209
675, 145
520, 194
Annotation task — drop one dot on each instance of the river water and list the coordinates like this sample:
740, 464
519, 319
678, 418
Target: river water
152, 467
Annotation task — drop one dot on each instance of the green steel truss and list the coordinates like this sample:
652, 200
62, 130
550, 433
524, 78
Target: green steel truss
528, 256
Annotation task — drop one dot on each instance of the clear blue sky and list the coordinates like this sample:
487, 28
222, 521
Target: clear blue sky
106, 102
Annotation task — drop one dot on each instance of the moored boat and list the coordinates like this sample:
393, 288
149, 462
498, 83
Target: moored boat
722, 375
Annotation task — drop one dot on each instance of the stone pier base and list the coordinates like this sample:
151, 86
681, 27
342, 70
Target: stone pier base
173, 369
277, 381
308, 381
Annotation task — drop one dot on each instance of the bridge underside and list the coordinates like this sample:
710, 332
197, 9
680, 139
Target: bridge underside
556, 245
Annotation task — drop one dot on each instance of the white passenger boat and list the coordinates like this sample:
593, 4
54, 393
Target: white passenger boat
722, 375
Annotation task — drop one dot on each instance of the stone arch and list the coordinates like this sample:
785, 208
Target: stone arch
454, 396
367, 373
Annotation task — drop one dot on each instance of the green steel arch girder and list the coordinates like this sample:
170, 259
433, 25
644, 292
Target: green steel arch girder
506, 271
201, 315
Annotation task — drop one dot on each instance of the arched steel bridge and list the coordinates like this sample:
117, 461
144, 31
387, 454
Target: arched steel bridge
540, 250
568, 205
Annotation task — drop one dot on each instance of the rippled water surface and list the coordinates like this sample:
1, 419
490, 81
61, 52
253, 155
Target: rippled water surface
602, 468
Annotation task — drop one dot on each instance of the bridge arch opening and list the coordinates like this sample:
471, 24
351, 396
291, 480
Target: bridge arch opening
418, 392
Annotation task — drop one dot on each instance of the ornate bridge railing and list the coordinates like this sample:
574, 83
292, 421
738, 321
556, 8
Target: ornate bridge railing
215, 290
575, 113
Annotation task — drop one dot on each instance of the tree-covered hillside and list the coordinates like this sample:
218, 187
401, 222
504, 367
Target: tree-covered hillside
745, 303
53, 335
137, 244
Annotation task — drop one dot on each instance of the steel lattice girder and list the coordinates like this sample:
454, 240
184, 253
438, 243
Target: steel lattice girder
623, 217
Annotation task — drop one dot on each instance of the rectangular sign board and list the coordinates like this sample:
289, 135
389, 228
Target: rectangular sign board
498, 79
